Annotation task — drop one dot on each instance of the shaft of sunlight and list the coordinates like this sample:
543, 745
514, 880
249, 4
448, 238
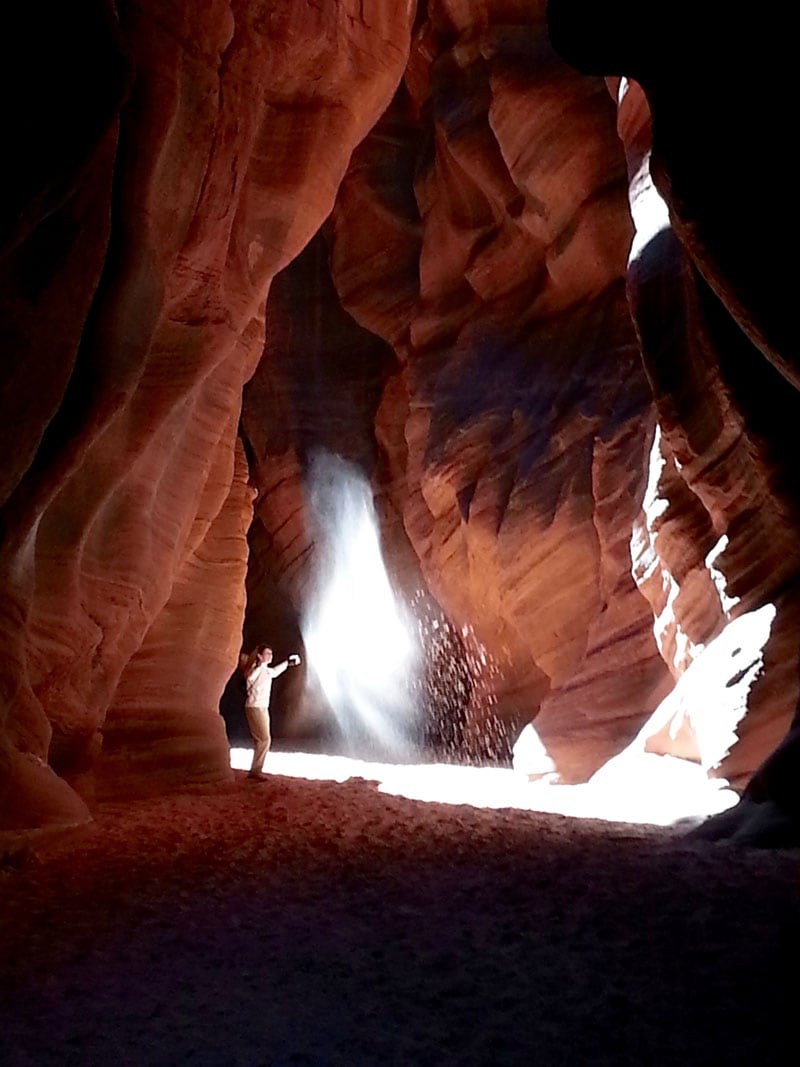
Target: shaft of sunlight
360, 639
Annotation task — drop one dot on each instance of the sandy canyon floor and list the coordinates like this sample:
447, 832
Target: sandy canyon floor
323, 922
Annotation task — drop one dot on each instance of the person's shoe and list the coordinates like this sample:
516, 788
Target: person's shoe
257, 776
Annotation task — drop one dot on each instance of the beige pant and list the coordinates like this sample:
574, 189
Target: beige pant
258, 721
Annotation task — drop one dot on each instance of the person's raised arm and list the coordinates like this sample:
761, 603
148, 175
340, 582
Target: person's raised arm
291, 661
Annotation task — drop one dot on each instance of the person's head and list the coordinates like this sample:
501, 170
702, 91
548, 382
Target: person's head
265, 654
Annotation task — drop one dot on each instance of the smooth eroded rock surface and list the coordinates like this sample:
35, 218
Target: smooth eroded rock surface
500, 257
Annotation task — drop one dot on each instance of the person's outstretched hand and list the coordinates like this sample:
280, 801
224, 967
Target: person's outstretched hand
294, 660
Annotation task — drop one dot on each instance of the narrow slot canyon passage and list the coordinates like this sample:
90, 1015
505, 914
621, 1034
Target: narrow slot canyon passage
445, 350
316, 922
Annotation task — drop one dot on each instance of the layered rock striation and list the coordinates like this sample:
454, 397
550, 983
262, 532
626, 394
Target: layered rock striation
480, 240
137, 263
722, 572
484, 259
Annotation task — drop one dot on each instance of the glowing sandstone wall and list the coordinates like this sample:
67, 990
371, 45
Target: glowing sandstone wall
481, 231
714, 306
174, 159
568, 442
620, 531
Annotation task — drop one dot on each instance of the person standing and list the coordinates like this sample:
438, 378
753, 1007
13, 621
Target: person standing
259, 674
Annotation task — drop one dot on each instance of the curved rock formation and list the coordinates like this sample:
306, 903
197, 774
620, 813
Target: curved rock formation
144, 243
697, 135
484, 246
509, 292
489, 253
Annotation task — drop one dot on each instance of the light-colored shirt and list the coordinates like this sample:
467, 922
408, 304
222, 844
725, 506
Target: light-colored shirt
259, 684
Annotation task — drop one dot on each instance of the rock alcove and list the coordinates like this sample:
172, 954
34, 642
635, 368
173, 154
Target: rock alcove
525, 276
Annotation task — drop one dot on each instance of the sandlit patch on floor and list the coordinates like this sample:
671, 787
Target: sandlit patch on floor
651, 789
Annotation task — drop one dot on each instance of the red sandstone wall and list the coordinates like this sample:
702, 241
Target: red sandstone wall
514, 442
494, 386
722, 513
714, 311
148, 262
481, 230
